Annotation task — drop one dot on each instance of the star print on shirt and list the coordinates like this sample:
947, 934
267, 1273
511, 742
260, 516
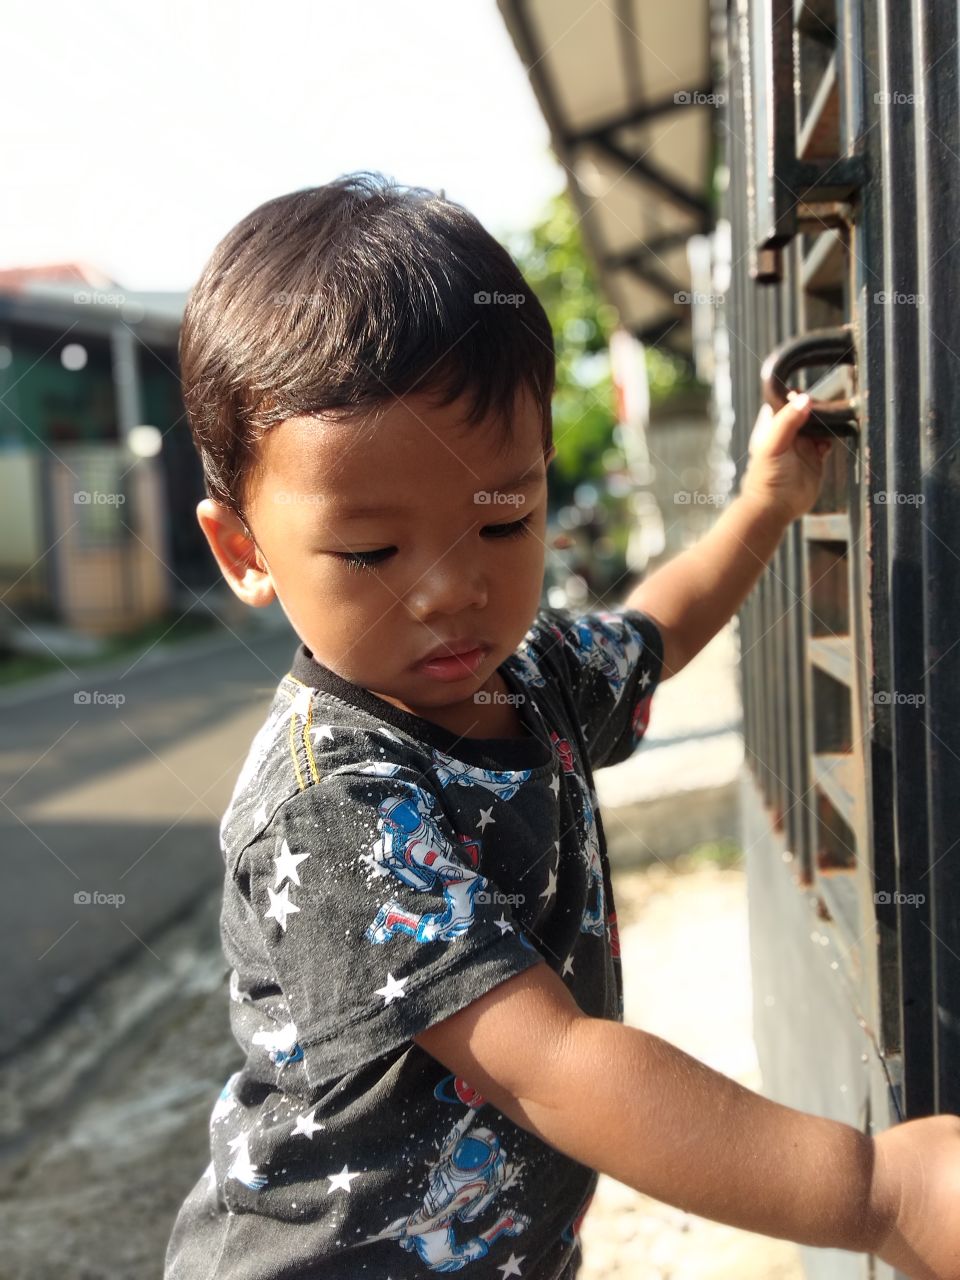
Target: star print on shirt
505, 925
512, 1266
393, 989
485, 817
242, 1169
340, 1181
567, 966
555, 785
280, 906
321, 731
306, 1124
287, 863
551, 888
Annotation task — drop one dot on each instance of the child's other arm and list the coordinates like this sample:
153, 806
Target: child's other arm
631, 1105
693, 595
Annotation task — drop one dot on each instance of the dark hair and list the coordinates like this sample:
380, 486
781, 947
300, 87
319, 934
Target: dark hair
335, 298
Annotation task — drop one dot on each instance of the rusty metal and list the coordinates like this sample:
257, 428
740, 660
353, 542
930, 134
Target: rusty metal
820, 347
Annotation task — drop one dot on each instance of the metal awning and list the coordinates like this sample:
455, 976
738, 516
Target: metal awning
626, 88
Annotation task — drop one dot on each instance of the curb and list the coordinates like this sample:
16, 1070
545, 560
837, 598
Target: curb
113, 668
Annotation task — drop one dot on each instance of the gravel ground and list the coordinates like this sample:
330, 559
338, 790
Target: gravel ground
104, 1125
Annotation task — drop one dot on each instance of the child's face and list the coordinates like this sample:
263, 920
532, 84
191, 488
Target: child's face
452, 567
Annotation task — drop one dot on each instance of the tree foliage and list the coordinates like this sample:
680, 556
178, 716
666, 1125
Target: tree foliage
552, 259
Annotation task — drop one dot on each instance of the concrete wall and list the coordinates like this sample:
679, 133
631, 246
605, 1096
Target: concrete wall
815, 1053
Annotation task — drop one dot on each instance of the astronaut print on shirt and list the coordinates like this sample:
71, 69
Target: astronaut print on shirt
382, 873
413, 848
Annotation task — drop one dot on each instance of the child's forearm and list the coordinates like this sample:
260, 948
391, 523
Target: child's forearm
698, 591
629, 1104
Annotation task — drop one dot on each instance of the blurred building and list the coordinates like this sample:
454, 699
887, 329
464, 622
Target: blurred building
98, 475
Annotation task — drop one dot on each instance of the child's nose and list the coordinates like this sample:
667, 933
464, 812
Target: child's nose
451, 585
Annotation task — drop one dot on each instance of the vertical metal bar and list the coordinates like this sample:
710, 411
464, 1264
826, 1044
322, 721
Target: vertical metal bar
901, 833
781, 680
858, 918
938, 171
787, 321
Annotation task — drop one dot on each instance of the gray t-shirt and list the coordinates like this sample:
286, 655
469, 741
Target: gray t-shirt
381, 874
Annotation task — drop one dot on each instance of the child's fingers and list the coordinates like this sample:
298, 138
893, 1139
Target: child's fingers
774, 433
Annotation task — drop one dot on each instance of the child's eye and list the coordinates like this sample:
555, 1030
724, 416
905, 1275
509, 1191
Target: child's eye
363, 559
358, 560
511, 530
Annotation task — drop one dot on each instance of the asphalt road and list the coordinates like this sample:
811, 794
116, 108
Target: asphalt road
119, 801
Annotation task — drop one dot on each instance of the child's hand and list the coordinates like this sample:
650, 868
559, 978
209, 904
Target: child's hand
785, 470
918, 1169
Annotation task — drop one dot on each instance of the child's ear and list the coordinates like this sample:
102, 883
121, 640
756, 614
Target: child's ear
240, 559
549, 455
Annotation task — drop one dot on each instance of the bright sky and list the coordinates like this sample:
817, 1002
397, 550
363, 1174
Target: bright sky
144, 132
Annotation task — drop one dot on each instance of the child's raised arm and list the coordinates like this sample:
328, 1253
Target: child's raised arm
629, 1104
698, 591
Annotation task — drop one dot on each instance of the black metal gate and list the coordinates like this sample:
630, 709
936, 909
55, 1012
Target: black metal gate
842, 142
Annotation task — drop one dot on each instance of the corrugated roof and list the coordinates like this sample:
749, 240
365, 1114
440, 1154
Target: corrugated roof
627, 92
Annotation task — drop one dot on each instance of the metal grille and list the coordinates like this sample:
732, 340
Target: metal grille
841, 141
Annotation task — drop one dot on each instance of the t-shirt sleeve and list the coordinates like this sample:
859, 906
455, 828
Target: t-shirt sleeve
376, 915
613, 661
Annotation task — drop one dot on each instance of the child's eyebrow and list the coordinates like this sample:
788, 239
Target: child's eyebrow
526, 480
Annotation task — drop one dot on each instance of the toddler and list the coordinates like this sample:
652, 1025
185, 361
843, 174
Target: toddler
417, 912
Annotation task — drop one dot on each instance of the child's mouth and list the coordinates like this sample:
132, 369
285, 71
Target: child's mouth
457, 668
